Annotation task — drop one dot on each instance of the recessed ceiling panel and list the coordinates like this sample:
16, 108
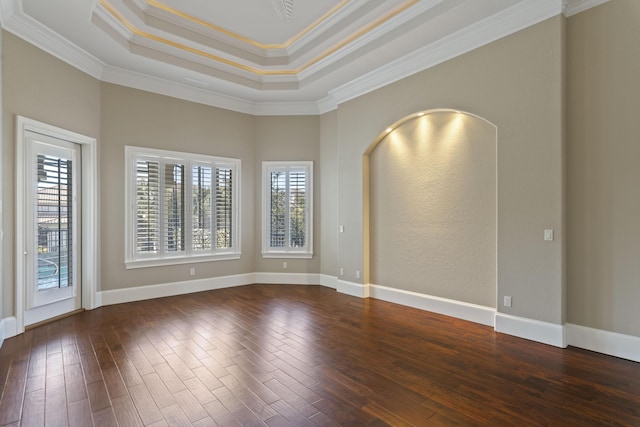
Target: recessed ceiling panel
257, 20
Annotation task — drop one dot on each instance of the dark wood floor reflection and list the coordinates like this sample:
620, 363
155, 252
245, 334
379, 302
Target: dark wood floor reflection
300, 356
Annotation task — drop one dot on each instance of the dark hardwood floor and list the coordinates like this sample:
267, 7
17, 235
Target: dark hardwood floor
300, 356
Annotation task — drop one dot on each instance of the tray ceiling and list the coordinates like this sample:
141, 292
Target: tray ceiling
265, 56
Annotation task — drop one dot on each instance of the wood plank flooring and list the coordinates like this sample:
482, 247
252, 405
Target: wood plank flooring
279, 355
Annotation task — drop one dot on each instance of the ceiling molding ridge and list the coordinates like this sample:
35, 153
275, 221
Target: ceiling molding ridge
370, 37
517, 17
208, 97
99, 12
32, 31
158, 85
573, 7
9, 8
325, 25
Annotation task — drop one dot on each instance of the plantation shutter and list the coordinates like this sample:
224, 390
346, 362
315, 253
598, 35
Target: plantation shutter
202, 209
147, 222
224, 207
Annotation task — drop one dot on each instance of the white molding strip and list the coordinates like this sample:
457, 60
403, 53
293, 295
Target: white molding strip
610, 343
518, 17
354, 289
8, 328
287, 278
458, 309
531, 329
573, 7
25, 27
139, 293
329, 281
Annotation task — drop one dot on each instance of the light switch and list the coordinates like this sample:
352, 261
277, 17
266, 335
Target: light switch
342, 228
548, 235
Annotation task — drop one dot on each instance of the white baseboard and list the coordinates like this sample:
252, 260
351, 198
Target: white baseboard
139, 293
8, 328
610, 343
329, 281
461, 310
287, 278
354, 289
534, 330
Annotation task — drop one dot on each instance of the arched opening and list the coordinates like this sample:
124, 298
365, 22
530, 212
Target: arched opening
430, 207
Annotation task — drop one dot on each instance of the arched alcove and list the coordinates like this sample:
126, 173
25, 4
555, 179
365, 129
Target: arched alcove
430, 207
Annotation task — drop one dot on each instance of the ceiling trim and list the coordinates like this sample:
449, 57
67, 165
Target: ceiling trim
519, 16
105, 11
15, 21
163, 7
573, 7
502, 24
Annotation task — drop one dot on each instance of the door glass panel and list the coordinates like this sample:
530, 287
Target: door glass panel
55, 222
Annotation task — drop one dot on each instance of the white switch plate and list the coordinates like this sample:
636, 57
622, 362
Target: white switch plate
507, 301
548, 235
342, 228
192, 271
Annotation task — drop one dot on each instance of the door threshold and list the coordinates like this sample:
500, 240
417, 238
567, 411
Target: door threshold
53, 319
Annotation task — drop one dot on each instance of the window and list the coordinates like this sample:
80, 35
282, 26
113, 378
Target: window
287, 220
180, 207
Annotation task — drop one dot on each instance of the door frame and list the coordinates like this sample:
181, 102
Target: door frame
89, 211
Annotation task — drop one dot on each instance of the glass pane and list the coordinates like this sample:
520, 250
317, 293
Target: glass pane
147, 207
224, 206
201, 202
277, 234
297, 214
174, 207
55, 223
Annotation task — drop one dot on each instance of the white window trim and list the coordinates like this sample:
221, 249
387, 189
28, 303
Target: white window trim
307, 251
189, 255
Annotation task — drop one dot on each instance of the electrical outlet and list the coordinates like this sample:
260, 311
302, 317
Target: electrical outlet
192, 271
342, 271
357, 274
284, 265
507, 301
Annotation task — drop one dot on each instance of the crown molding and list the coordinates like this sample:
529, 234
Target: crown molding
203, 96
15, 21
573, 7
518, 17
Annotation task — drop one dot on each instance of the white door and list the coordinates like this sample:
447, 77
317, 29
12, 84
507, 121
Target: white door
52, 218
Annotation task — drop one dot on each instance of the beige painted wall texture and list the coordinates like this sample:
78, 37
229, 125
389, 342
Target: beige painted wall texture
328, 197
143, 119
287, 138
603, 167
515, 83
40, 87
432, 208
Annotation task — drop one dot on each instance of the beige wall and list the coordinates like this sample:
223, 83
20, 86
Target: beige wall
329, 191
432, 208
133, 117
40, 87
287, 138
515, 83
603, 167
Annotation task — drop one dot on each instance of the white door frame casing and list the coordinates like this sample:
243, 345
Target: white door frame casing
89, 177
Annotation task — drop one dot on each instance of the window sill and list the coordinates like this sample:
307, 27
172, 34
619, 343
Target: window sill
297, 255
160, 262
